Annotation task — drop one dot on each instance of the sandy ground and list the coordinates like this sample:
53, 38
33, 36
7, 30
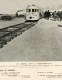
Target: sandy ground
4, 24
43, 42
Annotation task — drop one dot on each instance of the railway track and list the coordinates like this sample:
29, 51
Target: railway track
8, 33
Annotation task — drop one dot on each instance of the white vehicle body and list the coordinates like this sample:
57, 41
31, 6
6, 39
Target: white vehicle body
32, 13
21, 12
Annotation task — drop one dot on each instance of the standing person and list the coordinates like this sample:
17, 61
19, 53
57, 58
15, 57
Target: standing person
48, 14
58, 15
61, 16
55, 15
42, 14
45, 14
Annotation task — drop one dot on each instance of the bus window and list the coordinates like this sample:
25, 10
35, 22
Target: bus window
33, 10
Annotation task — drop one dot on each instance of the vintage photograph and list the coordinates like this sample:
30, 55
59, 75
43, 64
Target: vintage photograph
30, 30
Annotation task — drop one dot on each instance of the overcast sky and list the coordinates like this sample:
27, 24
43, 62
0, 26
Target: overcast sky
11, 6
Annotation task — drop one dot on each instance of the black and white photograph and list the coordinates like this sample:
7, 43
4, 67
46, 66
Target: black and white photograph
30, 40
30, 30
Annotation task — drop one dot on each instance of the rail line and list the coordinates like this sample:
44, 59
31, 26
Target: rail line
8, 33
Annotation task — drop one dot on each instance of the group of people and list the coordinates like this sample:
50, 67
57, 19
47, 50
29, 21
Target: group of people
47, 14
55, 14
